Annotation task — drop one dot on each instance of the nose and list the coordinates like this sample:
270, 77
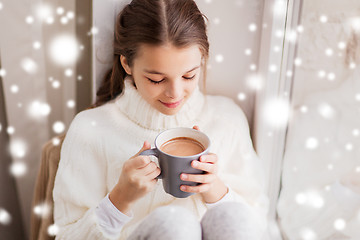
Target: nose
174, 90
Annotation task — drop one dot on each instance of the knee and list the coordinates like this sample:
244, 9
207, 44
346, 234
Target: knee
230, 220
170, 222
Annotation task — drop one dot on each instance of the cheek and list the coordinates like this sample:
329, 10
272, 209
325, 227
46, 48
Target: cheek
151, 92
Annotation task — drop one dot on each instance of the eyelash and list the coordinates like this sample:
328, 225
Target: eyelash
158, 82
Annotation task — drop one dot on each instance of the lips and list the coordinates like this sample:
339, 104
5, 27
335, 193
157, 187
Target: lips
172, 104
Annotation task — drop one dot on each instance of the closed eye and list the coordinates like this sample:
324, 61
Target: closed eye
155, 82
189, 78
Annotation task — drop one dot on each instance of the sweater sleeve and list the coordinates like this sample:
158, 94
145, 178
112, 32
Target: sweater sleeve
80, 182
242, 170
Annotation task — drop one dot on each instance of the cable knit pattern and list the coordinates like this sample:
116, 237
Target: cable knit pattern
100, 140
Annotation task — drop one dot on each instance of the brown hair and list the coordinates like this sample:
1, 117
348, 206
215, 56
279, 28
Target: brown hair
155, 22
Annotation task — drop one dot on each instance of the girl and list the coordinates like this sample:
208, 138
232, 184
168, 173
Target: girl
105, 190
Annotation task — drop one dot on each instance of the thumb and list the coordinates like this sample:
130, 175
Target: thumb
196, 127
146, 146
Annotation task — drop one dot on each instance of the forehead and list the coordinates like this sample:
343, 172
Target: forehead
168, 58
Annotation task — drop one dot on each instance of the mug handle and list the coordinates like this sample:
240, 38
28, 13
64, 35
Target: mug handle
153, 152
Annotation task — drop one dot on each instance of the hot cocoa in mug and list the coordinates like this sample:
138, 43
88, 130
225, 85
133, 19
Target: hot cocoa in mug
182, 146
175, 149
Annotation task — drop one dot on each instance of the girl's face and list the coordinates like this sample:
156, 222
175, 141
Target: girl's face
165, 76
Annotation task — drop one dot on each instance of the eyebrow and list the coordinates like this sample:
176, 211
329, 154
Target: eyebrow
156, 72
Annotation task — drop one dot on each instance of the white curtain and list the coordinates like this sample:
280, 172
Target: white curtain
36, 88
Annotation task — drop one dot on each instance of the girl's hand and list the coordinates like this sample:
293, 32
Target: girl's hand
211, 187
138, 177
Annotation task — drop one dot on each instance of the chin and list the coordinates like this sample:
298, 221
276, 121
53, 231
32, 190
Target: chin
170, 112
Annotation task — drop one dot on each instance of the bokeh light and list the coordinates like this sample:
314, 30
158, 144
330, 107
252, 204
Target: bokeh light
29, 65
14, 88
56, 84
252, 27
37, 45
307, 234
349, 146
326, 110
329, 52
18, 169
10, 130
289, 73
42, 210
300, 29
339, 224
248, 51
355, 23
253, 67
64, 50
64, 20
2, 72
321, 74
44, 11
5, 217
341, 45
70, 104
273, 68
55, 141
241, 96
323, 18
29, 19
94, 31
254, 81
311, 143
216, 21
304, 109
18, 148
68, 72
277, 112
70, 15
58, 127
310, 198
357, 97
298, 61
219, 58
331, 76
39, 109
279, 8
60, 10
356, 132
352, 65
53, 230
49, 20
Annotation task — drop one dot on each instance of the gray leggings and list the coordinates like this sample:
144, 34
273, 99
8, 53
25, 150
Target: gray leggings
226, 221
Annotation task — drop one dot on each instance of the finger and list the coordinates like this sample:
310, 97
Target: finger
146, 146
150, 167
154, 174
196, 189
199, 178
205, 166
196, 127
140, 161
209, 158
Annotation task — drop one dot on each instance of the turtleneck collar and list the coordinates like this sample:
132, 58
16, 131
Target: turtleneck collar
135, 107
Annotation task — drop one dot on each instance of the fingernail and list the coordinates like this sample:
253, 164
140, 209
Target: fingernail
202, 158
195, 163
182, 188
183, 176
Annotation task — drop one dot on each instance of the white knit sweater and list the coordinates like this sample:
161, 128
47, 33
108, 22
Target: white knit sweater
100, 140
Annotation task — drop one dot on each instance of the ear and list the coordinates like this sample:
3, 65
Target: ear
125, 64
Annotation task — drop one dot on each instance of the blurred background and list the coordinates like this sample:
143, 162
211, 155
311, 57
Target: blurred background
291, 65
